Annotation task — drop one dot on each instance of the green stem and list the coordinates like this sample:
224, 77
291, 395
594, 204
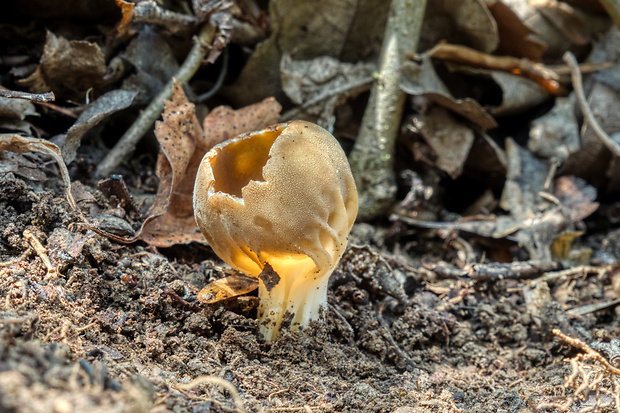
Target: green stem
372, 158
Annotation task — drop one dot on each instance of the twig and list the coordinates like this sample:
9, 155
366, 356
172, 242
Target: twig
613, 9
593, 354
41, 252
570, 60
33, 97
127, 144
495, 271
580, 271
591, 308
16, 260
372, 157
214, 380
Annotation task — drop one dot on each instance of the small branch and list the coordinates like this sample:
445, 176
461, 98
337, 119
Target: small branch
33, 97
127, 144
41, 252
228, 386
372, 158
592, 354
570, 60
495, 271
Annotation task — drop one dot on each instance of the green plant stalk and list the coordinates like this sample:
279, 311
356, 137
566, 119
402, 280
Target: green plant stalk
127, 144
372, 157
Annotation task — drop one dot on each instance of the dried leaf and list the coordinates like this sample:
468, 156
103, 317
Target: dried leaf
518, 94
309, 29
228, 287
576, 195
154, 64
69, 68
593, 161
539, 222
466, 22
566, 20
127, 9
92, 115
555, 134
170, 219
16, 108
515, 38
319, 85
449, 137
224, 123
423, 81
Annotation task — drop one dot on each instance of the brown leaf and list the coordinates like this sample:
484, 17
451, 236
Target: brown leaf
515, 38
450, 138
127, 9
224, 123
228, 287
170, 219
576, 195
69, 68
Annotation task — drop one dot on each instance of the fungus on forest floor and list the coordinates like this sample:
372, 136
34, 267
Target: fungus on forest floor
278, 204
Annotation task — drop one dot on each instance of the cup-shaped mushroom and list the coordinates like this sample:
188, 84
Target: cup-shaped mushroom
283, 196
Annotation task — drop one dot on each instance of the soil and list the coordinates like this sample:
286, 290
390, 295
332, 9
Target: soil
118, 328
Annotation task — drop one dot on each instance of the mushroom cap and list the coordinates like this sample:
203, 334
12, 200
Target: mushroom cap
285, 192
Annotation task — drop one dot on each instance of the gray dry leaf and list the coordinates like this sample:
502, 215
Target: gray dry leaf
449, 137
69, 68
319, 85
593, 161
422, 80
555, 135
94, 113
537, 222
16, 108
154, 63
309, 29
466, 22
518, 94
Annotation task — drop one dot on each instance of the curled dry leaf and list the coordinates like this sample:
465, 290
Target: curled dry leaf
422, 80
515, 38
467, 22
227, 287
94, 113
319, 85
69, 68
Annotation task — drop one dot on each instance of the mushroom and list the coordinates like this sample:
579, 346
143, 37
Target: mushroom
278, 204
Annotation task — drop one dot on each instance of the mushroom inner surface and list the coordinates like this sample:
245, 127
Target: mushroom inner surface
239, 162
